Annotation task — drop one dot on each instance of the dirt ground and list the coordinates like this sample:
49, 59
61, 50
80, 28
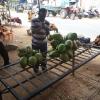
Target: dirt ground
85, 85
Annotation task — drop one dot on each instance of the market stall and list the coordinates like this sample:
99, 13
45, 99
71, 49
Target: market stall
24, 84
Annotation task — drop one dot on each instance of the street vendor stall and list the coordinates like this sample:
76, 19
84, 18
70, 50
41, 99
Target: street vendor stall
23, 83
7, 32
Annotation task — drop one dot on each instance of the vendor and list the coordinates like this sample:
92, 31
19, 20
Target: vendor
3, 51
40, 31
30, 14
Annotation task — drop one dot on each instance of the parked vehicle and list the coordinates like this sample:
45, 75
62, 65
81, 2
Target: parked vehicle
76, 12
23, 6
92, 13
61, 7
97, 13
85, 14
19, 8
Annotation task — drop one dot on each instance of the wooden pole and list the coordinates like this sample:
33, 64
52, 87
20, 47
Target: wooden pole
9, 13
73, 62
0, 95
39, 4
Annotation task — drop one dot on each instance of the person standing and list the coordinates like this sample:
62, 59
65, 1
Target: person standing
30, 14
40, 31
4, 54
3, 51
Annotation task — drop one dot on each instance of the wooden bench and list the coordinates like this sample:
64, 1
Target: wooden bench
24, 84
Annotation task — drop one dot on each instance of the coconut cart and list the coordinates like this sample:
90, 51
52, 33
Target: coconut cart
24, 84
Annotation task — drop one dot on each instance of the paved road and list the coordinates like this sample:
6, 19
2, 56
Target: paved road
84, 27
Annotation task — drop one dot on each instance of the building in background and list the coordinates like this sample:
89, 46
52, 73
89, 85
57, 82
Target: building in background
87, 4
31, 1
84, 4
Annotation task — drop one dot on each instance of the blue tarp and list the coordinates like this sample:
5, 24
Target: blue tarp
22, 1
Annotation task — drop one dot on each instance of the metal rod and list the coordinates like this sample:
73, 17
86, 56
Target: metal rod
18, 82
73, 63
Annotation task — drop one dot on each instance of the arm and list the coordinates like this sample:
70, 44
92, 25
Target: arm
47, 27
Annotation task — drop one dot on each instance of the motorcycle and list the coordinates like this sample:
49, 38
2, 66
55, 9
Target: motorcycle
76, 13
85, 14
91, 13
96, 13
